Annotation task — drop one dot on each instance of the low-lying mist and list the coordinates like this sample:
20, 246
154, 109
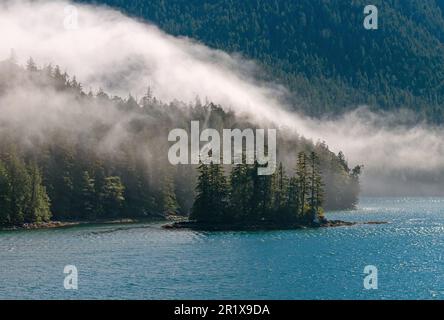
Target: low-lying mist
122, 55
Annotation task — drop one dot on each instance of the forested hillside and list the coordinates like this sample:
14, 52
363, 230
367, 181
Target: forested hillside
75, 155
320, 49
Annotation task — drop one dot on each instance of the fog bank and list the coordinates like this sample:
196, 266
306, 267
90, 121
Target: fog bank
106, 49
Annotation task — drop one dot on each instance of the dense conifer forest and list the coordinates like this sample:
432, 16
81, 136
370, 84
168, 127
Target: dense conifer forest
320, 49
67, 153
246, 197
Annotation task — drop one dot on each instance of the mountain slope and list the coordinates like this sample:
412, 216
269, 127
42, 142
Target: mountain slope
320, 49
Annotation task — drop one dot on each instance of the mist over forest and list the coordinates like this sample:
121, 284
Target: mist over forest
251, 150
118, 55
101, 156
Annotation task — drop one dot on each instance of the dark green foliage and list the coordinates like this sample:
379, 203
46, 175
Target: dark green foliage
260, 201
257, 198
316, 191
169, 200
280, 191
241, 189
6, 214
201, 207
112, 197
20, 187
302, 183
88, 196
211, 202
77, 177
23, 198
38, 207
320, 49
294, 200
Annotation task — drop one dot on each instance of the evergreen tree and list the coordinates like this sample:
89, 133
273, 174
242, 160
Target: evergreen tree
139, 196
315, 190
211, 195
219, 193
261, 199
88, 197
60, 79
280, 186
302, 181
147, 98
48, 71
169, 201
351, 194
112, 196
201, 206
241, 189
38, 207
77, 86
5, 196
293, 204
31, 66
60, 176
20, 188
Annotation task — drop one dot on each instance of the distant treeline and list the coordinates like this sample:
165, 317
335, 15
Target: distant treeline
75, 155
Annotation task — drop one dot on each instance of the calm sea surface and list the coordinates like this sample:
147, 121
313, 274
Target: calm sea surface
144, 261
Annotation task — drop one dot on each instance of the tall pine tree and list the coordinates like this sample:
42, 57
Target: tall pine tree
302, 181
315, 191
211, 202
38, 207
5, 196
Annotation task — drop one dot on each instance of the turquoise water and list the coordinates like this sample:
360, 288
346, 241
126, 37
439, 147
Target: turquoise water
146, 262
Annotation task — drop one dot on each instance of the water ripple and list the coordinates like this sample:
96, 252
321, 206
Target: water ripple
146, 262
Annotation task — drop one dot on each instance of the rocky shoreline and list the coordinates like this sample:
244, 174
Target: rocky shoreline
179, 222
191, 225
65, 224
41, 225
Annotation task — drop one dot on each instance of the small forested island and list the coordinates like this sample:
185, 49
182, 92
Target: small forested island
70, 156
248, 201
